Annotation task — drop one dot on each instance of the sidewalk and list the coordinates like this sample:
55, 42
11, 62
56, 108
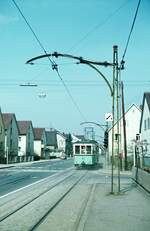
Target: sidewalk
108, 171
129, 211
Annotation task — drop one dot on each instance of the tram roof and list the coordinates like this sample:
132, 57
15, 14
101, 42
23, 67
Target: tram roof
86, 142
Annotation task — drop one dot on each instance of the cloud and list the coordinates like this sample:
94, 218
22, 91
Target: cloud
5, 19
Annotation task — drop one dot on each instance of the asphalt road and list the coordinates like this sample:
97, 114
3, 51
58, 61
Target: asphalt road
76, 200
17, 177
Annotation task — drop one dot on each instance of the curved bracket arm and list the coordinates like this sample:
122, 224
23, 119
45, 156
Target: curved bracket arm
81, 60
108, 84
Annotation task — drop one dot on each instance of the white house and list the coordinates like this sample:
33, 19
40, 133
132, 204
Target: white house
132, 124
26, 140
11, 136
145, 120
144, 143
61, 141
39, 141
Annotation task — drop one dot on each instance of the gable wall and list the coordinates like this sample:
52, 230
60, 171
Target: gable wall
30, 141
145, 133
132, 118
11, 138
61, 142
22, 145
37, 147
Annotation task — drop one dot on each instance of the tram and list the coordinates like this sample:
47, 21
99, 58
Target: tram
86, 153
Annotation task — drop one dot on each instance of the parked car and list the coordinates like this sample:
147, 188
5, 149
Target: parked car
63, 156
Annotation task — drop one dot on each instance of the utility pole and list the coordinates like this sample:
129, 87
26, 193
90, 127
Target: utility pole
124, 128
116, 112
7, 160
118, 116
113, 123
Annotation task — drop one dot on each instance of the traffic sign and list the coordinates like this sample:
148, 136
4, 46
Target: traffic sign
108, 117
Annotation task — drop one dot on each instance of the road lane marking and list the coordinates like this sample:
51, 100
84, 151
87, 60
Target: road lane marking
27, 186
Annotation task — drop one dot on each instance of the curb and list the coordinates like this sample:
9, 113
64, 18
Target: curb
2, 167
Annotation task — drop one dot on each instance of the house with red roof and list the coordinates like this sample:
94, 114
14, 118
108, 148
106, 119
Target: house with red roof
55, 143
11, 137
39, 142
26, 140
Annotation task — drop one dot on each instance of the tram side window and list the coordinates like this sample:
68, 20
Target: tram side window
88, 149
77, 149
82, 149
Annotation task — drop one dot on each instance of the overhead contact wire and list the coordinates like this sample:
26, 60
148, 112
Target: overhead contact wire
99, 25
74, 102
131, 30
53, 63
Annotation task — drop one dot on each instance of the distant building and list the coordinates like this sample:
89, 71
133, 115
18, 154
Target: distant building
26, 140
76, 138
55, 142
11, 137
39, 142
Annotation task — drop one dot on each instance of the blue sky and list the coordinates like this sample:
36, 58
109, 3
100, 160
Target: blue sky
87, 28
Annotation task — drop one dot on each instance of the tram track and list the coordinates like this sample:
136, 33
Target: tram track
82, 195
13, 213
55, 205
35, 185
84, 211
26, 202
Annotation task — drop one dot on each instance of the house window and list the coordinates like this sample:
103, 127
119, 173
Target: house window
145, 127
11, 143
137, 137
11, 131
148, 123
19, 138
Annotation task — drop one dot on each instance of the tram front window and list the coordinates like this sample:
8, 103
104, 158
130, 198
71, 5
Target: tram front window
88, 149
77, 149
82, 149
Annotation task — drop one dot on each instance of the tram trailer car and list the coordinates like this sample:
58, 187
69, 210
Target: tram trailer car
86, 153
